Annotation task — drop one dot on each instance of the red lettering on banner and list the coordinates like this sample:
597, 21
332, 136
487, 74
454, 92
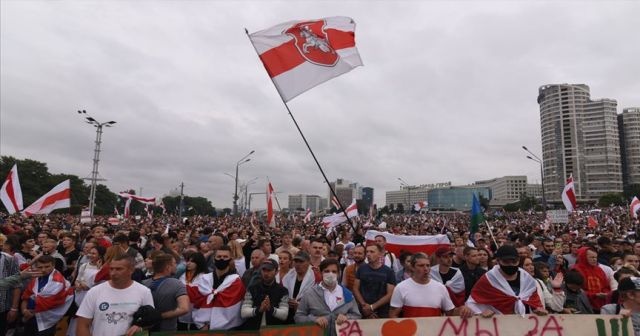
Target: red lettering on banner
462, 328
349, 328
485, 332
549, 327
534, 330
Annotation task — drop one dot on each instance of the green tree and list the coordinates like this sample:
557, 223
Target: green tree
611, 198
512, 207
527, 202
631, 190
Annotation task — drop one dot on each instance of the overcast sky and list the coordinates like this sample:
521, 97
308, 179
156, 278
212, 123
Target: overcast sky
447, 91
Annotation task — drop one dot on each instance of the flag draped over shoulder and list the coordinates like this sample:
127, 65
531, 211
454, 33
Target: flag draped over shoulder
11, 193
219, 307
57, 198
492, 291
476, 215
299, 55
569, 195
51, 301
412, 244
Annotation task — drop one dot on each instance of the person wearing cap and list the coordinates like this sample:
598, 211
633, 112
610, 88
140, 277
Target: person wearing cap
629, 306
506, 288
300, 281
266, 302
449, 276
419, 296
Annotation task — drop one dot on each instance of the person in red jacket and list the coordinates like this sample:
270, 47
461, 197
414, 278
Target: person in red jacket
596, 285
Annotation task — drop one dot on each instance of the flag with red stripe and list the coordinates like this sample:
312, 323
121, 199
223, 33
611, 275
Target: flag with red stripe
635, 207
569, 195
413, 244
51, 301
299, 55
11, 193
271, 220
57, 198
219, 307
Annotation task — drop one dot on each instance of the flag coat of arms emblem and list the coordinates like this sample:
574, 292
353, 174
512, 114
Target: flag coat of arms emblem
299, 55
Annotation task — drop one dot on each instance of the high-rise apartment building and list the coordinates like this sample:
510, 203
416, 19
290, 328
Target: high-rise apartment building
580, 138
629, 127
346, 191
300, 201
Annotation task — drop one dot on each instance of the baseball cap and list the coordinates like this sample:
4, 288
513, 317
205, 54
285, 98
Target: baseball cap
302, 255
507, 252
270, 264
630, 283
443, 251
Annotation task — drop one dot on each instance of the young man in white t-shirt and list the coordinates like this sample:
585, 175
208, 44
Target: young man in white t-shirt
108, 308
418, 296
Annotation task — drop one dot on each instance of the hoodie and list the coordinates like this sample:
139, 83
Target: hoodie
595, 280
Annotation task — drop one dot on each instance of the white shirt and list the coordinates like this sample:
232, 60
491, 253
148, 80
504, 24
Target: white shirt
417, 299
112, 309
333, 298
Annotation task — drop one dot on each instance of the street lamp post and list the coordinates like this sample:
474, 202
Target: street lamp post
245, 159
535, 158
408, 187
96, 156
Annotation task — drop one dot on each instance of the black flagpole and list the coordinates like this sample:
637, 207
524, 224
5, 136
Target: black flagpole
344, 210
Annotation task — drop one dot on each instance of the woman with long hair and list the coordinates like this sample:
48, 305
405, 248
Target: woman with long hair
89, 275
485, 261
196, 268
285, 261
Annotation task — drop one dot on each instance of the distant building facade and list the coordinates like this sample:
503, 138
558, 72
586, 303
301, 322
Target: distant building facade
410, 195
301, 201
629, 128
455, 198
505, 190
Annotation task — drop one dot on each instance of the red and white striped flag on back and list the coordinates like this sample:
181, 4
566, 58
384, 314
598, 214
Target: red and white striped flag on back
11, 193
569, 195
299, 55
635, 207
57, 198
412, 244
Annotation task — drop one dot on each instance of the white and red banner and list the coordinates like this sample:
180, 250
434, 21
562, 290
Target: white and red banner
420, 205
569, 195
329, 222
57, 198
220, 308
143, 200
635, 207
11, 193
335, 202
271, 219
299, 55
307, 216
413, 244
127, 208
52, 301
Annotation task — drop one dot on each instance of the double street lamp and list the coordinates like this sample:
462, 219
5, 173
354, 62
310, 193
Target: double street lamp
408, 187
244, 160
96, 156
537, 159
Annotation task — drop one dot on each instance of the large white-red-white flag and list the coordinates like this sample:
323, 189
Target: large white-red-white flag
299, 55
57, 198
569, 195
331, 221
413, 244
143, 200
635, 207
271, 219
11, 193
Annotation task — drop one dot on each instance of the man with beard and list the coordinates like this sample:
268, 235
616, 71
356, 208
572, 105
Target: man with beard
506, 288
349, 275
169, 294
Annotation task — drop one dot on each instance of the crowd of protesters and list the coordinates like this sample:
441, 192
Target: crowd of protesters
235, 273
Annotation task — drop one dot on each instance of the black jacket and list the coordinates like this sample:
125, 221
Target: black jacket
279, 297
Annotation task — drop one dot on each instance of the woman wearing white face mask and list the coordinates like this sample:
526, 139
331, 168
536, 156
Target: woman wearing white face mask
328, 302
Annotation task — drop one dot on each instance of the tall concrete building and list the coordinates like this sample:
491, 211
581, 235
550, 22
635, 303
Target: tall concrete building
505, 190
580, 138
301, 201
367, 196
345, 190
629, 127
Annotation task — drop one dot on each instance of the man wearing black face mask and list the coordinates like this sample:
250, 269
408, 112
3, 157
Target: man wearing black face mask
505, 289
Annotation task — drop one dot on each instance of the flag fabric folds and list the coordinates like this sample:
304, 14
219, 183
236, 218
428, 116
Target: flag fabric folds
220, 307
420, 205
476, 215
51, 301
634, 207
143, 200
331, 221
271, 220
307, 216
569, 195
57, 198
11, 193
299, 55
413, 244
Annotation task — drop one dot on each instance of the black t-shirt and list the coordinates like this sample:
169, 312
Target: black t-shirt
373, 284
447, 276
515, 284
296, 288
